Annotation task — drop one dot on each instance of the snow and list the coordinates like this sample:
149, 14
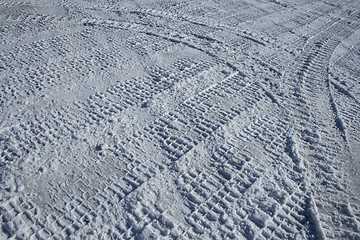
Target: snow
179, 119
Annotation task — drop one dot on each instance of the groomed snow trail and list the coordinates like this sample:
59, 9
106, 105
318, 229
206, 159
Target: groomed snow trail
179, 119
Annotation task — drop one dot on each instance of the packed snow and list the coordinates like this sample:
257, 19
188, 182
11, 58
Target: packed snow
171, 119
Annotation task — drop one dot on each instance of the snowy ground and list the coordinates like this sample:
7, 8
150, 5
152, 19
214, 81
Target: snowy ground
171, 119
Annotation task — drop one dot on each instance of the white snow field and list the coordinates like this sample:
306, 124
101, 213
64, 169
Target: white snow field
174, 119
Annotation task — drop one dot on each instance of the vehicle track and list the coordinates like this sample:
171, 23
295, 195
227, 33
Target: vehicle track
239, 180
313, 76
24, 82
65, 122
12, 3
172, 143
240, 159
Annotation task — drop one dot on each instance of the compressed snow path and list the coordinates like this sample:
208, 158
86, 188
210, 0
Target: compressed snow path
179, 119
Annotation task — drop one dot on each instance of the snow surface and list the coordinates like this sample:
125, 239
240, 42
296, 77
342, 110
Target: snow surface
180, 119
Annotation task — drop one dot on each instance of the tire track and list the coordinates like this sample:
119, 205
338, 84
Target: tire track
125, 188
314, 144
344, 73
40, 50
347, 107
306, 18
212, 47
175, 147
18, 33
146, 45
311, 76
31, 136
162, 14
195, 221
12, 3
50, 75
58, 47
239, 181
36, 18
234, 194
348, 62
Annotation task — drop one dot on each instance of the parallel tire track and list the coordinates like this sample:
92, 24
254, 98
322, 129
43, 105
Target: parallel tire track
169, 138
315, 139
278, 177
28, 137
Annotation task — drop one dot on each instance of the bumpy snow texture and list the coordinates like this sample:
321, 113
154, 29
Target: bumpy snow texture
199, 119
